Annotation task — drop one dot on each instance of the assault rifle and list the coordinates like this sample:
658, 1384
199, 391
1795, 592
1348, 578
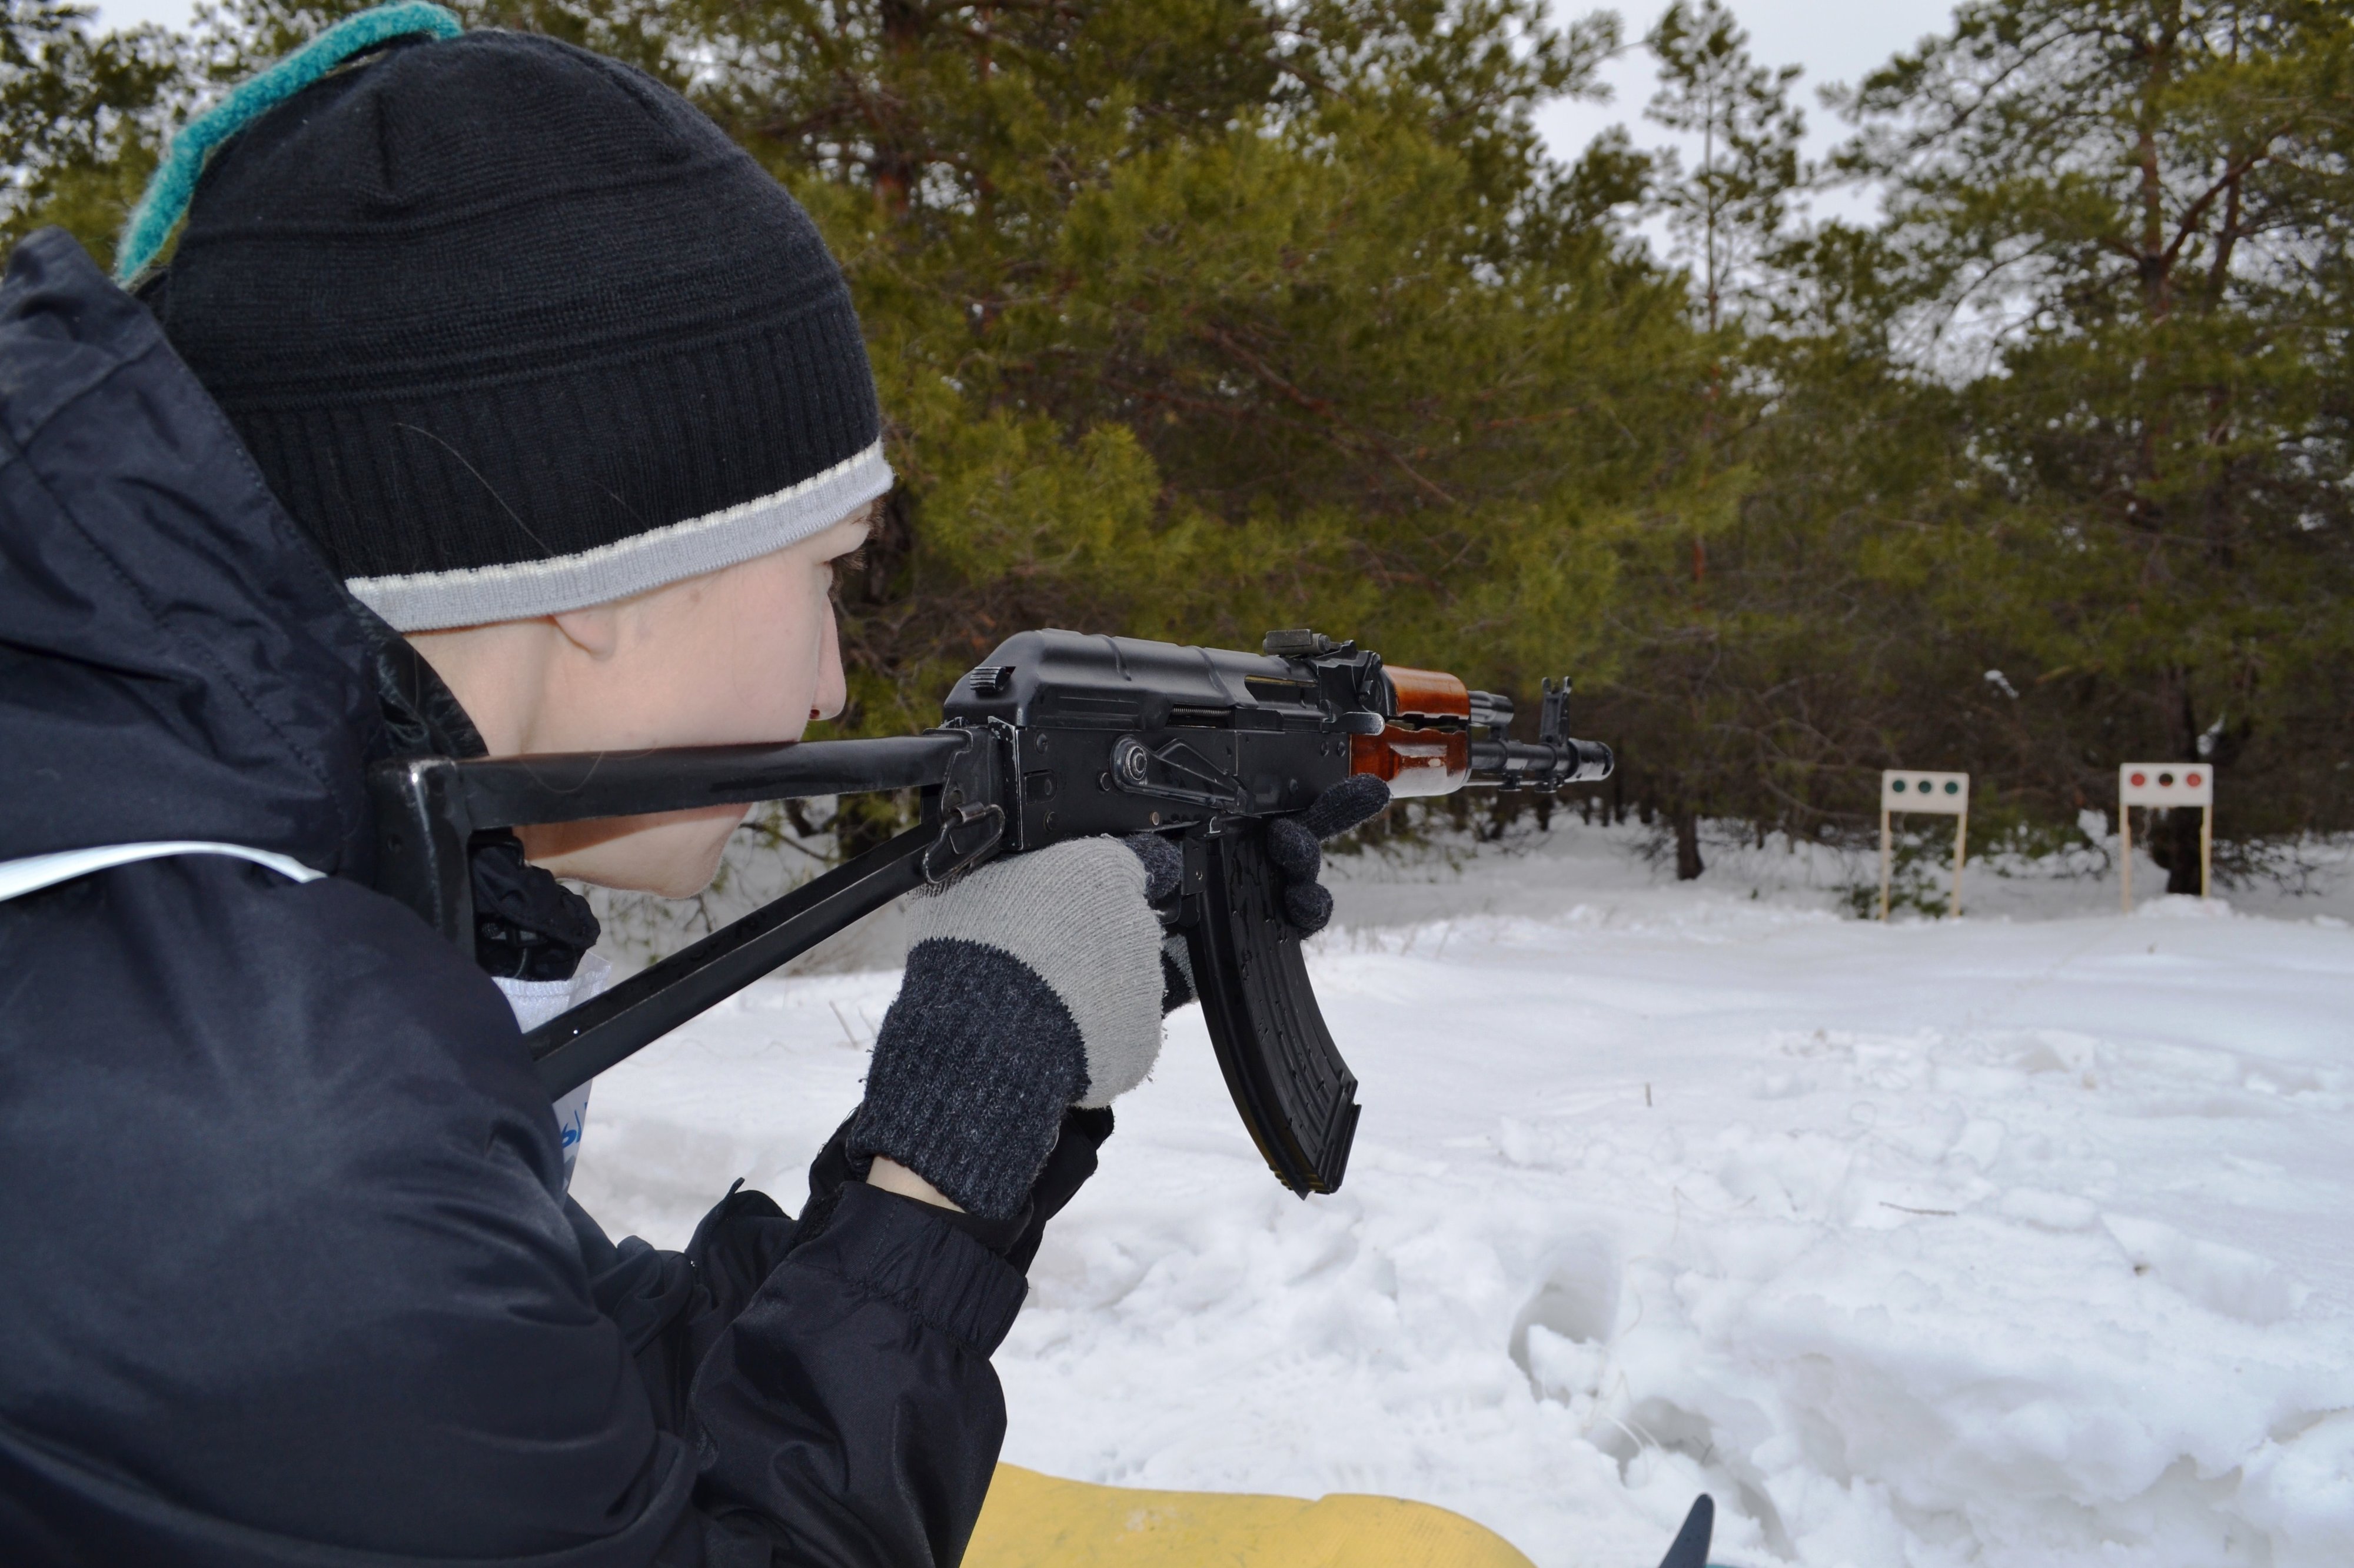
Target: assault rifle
1058, 736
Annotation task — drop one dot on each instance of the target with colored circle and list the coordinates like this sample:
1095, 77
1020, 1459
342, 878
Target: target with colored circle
2168, 786
1921, 790
2165, 784
1924, 789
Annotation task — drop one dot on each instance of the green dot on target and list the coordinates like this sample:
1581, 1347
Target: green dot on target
1897, 785
1952, 788
1924, 786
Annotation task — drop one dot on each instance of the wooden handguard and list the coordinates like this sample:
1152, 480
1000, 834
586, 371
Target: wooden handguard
1414, 761
1428, 695
1426, 749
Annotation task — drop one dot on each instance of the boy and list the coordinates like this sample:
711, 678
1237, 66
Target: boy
497, 403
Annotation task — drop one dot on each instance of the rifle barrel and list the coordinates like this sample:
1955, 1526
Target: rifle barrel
1539, 765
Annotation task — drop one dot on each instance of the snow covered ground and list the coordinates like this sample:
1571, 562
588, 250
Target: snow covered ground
2025, 1239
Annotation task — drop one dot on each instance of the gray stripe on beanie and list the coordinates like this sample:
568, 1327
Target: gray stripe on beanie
429, 601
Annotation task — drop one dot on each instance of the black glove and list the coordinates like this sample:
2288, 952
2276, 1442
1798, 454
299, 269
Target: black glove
1293, 843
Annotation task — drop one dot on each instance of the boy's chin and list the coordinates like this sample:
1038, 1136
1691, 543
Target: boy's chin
674, 855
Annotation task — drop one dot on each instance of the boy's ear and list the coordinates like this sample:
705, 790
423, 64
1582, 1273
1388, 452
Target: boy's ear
595, 631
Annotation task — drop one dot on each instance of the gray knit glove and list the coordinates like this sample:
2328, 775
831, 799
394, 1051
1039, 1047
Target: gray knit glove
1033, 984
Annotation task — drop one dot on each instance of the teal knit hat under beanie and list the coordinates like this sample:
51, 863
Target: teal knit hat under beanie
510, 328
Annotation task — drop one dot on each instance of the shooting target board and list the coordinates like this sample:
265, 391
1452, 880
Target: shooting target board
2166, 786
1916, 789
1923, 790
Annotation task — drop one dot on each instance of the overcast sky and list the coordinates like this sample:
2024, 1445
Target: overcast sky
1832, 40
1835, 40
129, 12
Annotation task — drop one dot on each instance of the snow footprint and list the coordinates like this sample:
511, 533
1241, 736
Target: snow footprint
1561, 1337
2222, 1279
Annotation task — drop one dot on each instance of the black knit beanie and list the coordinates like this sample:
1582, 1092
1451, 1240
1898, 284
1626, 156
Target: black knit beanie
512, 328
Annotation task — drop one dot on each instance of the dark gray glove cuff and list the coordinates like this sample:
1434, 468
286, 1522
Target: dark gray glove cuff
973, 1067
1033, 984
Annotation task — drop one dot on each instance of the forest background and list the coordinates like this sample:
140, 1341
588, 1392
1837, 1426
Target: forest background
1194, 318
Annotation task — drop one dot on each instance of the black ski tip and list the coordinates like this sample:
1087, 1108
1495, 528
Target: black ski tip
1691, 1548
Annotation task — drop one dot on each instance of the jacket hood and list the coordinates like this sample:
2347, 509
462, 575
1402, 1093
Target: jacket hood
177, 662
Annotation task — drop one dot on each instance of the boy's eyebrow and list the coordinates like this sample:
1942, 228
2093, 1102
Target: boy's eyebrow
852, 558
864, 518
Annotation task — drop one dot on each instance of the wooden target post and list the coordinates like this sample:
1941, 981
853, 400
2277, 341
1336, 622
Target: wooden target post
2168, 786
1915, 789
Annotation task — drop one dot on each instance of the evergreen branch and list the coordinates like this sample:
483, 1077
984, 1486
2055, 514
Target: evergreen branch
1343, 433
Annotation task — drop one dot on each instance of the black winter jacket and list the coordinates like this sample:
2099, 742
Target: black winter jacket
288, 1277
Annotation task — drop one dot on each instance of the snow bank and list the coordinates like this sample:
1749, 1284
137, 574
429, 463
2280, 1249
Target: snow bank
2005, 1241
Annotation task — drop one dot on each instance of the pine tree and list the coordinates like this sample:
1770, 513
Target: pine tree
2135, 210
81, 119
1714, 639
1730, 211
1200, 318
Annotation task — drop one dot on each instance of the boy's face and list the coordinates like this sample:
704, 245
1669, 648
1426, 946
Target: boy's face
745, 653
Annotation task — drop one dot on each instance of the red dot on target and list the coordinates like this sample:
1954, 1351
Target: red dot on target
2141, 779
2191, 779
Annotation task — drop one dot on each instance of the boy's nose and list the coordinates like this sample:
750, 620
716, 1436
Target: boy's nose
832, 694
